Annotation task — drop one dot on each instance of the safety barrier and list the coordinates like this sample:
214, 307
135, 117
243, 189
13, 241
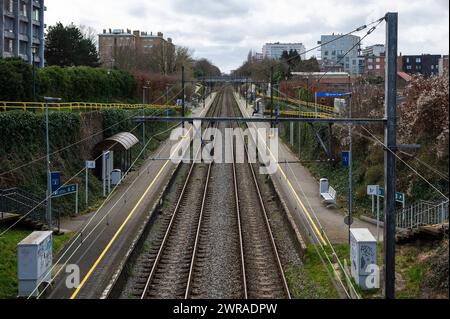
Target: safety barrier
79, 106
311, 105
296, 114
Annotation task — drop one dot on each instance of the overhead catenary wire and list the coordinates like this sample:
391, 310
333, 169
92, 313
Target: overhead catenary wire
80, 234
65, 184
46, 199
70, 146
363, 27
404, 162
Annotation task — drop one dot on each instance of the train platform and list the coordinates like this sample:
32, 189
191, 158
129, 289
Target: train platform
300, 191
103, 240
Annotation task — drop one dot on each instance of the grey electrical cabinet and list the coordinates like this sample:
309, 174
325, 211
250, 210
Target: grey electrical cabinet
34, 257
364, 258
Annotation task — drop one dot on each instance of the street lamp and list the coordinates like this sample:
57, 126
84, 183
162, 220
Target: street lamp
33, 51
49, 174
144, 88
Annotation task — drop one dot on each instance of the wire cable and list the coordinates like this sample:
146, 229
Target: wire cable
67, 147
407, 165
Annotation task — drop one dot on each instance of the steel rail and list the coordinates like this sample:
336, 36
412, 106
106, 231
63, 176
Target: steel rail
170, 227
200, 222
241, 240
266, 219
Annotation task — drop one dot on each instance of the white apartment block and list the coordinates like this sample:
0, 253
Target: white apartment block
275, 50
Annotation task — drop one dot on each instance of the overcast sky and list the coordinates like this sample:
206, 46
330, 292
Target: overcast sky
225, 31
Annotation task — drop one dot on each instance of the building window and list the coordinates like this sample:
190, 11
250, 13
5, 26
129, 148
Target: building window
418, 67
432, 67
407, 60
9, 24
326, 53
370, 67
409, 67
23, 9
378, 67
418, 60
8, 45
23, 48
378, 60
35, 14
23, 28
9, 6
370, 60
333, 53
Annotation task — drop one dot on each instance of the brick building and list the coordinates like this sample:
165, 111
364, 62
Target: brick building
111, 41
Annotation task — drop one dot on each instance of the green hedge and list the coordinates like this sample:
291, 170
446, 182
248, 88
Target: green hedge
72, 84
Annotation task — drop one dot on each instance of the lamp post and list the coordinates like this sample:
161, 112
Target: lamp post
144, 88
49, 174
33, 51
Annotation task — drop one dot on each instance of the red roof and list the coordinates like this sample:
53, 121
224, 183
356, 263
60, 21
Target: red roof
405, 76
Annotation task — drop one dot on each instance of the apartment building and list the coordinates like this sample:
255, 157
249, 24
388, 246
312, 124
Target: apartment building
425, 64
110, 41
275, 50
22, 30
341, 53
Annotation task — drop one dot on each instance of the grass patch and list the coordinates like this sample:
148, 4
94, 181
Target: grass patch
317, 273
8, 259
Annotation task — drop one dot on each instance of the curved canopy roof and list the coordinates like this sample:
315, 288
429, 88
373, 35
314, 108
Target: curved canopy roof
120, 142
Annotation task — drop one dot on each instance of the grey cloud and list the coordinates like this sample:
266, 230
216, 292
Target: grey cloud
138, 11
211, 9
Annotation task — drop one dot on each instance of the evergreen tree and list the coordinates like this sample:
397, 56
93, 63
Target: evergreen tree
66, 46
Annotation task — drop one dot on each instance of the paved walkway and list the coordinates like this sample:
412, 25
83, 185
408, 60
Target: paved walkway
108, 234
300, 190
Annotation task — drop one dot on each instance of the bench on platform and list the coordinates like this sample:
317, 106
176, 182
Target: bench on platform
327, 192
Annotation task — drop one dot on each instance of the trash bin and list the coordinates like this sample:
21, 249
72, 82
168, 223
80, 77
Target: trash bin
116, 176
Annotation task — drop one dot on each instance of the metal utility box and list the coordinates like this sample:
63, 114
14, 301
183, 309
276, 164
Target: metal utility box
340, 105
35, 259
116, 176
324, 186
363, 254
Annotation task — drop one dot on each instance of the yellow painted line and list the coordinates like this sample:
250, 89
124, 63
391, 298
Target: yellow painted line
316, 229
102, 255
113, 239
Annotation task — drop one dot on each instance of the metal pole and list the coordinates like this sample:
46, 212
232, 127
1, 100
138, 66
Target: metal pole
246, 94
390, 160
204, 95
271, 95
378, 218
184, 93
143, 114
34, 75
76, 202
350, 173
87, 186
49, 182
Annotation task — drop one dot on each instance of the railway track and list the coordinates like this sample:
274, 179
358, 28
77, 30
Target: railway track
218, 241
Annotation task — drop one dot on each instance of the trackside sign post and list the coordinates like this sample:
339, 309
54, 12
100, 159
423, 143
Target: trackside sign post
375, 191
65, 191
89, 165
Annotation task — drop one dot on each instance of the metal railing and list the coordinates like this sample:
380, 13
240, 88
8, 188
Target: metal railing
79, 106
18, 201
321, 107
296, 114
423, 214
